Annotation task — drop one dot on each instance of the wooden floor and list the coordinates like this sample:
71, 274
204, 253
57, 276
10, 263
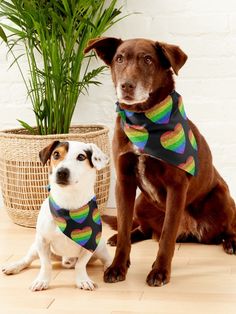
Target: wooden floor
203, 281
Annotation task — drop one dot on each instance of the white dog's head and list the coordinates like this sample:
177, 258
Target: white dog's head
72, 163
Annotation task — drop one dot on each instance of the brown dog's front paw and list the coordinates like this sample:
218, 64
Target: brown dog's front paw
112, 241
115, 274
158, 278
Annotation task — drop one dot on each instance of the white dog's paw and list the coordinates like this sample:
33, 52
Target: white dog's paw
69, 262
86, 284
12, 269
39, 284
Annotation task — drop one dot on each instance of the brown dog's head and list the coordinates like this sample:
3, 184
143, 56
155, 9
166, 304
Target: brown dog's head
141, 69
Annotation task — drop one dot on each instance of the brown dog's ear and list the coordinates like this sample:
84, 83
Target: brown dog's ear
46, 153
173, 55
105, 48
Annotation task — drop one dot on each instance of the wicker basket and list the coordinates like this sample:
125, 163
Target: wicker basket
24, 179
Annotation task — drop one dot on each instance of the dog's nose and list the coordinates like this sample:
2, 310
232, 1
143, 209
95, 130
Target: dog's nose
128, 86
63, 175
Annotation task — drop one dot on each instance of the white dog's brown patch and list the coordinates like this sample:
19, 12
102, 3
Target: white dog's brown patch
59, 153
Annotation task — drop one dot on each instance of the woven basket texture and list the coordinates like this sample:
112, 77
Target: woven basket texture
23, 178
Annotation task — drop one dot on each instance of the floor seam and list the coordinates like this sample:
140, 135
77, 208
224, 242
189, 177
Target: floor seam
49, 305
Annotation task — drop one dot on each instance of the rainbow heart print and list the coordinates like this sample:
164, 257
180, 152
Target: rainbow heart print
160, 114
138, 135
56, 207
174, 140
163, 132
181, 108
96, 216
81, 236
80, 215
61, 223
189, 165
98, 238
192, 139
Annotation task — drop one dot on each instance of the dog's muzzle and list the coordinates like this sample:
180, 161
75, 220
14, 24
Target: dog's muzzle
62, 176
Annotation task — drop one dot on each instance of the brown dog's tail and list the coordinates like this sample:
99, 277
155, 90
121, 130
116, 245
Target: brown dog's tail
112, 222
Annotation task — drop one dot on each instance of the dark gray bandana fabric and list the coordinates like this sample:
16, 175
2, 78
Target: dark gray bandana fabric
163, 132
82, 225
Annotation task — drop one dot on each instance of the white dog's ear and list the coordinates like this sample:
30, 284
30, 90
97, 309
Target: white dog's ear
98, 159
45, 153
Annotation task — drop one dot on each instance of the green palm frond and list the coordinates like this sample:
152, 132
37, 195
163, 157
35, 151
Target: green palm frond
58, 31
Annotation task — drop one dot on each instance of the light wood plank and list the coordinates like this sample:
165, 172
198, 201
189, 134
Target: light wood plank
203, 281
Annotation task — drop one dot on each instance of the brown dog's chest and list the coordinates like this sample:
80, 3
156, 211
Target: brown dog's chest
149, 181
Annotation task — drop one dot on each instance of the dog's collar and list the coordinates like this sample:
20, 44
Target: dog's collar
82, 225
163, 132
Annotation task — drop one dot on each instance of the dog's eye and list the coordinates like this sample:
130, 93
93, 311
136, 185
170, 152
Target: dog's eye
56, 155
81, 157
148, 59
119, 58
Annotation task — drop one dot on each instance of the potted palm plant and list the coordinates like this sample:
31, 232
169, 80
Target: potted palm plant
53, 35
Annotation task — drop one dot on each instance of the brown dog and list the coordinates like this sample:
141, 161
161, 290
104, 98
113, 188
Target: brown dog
174, 204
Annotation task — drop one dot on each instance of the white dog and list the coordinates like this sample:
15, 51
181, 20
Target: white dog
72, 177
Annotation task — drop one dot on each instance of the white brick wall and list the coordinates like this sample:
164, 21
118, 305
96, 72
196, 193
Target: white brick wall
206, 31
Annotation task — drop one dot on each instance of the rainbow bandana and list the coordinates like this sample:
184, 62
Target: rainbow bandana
163, 132
82, 225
